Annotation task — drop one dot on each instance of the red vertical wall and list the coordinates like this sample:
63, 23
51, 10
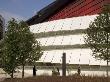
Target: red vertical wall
80, 8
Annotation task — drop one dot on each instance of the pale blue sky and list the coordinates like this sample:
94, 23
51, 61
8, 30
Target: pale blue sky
22, 8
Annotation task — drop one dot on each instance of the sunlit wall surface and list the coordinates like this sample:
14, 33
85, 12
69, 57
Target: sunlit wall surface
65, 35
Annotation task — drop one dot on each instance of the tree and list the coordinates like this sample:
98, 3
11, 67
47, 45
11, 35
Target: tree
9, 50
98, 36
19, 46
1, 53
29, 48
35, 54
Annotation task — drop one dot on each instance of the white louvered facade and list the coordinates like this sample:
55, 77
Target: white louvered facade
67, 42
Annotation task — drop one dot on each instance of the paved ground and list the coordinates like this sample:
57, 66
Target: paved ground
18, 74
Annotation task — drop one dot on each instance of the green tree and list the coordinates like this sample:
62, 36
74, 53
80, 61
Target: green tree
35, 54
1, 46
9, 50
29, 48
18, 47
98, 36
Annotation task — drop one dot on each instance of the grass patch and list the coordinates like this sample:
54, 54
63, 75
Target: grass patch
60, 79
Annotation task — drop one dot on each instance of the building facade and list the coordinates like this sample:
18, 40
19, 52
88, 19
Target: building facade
61, 9
80, 8
63, 31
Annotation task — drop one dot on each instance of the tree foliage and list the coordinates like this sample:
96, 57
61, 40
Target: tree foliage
29, 48
9, 52
19, 47
36, 53
98, 36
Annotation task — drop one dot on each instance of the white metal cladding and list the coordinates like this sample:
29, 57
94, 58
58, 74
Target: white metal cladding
62, 40
63, 24
74, 56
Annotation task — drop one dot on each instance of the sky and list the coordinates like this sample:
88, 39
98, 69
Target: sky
21, 9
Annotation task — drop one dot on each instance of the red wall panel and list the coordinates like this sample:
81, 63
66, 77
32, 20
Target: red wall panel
80, 8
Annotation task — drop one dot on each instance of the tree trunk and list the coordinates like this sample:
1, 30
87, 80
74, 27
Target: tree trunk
23, 71
107, 68
107, 52
12, 74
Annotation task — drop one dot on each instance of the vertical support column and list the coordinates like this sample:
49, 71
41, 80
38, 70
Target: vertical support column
64, 64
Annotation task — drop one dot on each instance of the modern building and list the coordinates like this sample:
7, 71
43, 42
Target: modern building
61, 9
60, 28
2, 23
